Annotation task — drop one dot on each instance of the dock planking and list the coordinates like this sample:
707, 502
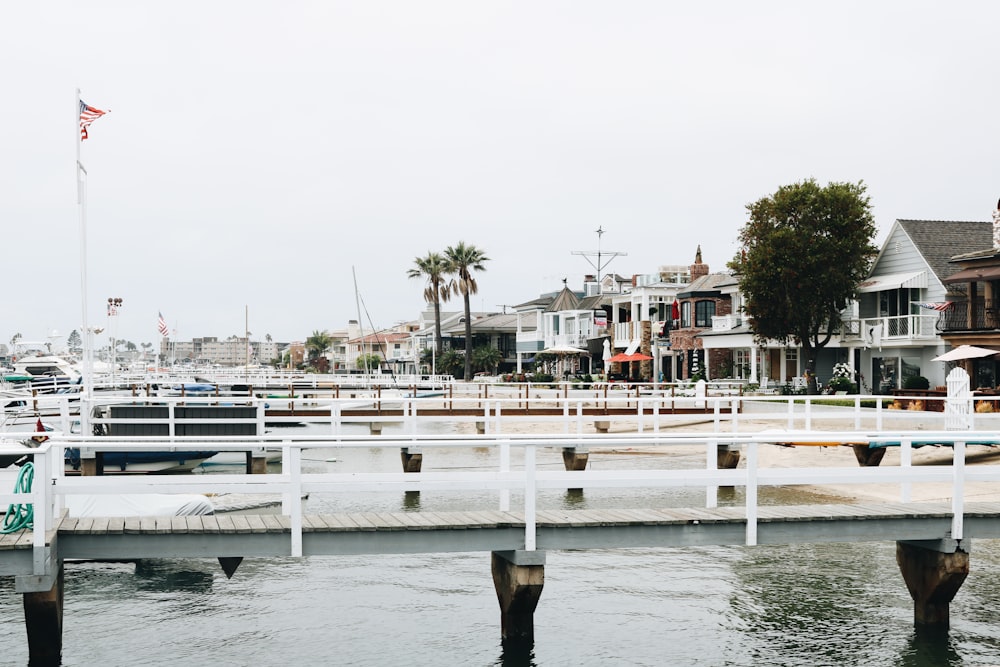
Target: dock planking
794, 523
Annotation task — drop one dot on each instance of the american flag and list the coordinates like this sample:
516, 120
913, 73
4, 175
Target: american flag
161, 326
88, 115
944, 305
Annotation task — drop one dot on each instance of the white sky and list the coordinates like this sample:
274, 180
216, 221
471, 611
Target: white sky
257, 151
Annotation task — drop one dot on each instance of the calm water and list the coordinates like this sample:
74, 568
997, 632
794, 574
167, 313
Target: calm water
799, 605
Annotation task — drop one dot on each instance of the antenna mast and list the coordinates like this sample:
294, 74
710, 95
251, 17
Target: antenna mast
599, 265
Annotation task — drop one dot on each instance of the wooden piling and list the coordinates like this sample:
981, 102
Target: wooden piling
412, 459
868, 456
728, 457
575, 458
518, 577
43, 620
933, 570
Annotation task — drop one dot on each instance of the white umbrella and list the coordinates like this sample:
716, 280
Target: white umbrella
607, 350
966, 352
563, 349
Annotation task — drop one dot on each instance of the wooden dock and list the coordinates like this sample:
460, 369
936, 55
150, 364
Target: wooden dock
268, 535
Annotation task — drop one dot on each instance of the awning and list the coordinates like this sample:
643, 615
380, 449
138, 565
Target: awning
974, 275
893, 281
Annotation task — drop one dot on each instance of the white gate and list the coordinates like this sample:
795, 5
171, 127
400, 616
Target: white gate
958, 405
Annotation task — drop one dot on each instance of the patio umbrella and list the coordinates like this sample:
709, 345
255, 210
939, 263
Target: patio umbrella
563, 349
966, 352
622, 357
606, 357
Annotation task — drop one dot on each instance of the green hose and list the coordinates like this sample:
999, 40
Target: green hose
19, 516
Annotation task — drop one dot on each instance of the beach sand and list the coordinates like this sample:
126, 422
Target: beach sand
798, 456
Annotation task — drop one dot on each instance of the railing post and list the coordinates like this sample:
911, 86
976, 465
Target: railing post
292, 457
529, 497
712, 463
505, 468
905, 462
751, 493
958, 491
41, 499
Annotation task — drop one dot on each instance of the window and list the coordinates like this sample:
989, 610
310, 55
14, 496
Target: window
703, 312
686, 314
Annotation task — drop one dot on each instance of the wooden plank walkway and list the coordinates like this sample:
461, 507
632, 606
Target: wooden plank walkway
269, 535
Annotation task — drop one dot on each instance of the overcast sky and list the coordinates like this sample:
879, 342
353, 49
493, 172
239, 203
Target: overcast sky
258, 153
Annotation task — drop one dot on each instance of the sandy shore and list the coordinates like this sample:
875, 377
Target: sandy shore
802, 456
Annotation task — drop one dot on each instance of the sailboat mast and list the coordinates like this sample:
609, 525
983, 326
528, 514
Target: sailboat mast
361, 326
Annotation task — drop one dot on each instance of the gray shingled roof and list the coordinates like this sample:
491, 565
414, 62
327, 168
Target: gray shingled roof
565, 300
713, 281
940, 240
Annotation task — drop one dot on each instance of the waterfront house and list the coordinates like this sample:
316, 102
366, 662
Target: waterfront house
889, 333
642, 321
973, 317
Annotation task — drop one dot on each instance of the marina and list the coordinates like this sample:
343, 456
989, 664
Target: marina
653, 482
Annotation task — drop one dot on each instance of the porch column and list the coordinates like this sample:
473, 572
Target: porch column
753, 365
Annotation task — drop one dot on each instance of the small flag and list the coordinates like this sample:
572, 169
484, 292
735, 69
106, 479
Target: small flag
161, 326
88, 115
944, 305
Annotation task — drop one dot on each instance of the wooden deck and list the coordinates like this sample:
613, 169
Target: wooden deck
267, 535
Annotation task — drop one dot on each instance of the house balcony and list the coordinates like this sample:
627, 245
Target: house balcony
984, 315
898, 329
726, 322
531, 336
571, 340
625, 332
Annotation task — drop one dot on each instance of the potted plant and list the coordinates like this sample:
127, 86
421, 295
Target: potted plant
841, 382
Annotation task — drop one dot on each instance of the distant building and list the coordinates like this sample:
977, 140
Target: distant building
234, 351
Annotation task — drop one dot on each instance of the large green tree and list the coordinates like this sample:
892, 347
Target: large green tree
804, 251
434, 267
462, 261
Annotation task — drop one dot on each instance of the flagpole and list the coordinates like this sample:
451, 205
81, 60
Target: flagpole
81, 200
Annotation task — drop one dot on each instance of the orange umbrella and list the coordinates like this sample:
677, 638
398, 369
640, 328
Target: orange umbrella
637, 356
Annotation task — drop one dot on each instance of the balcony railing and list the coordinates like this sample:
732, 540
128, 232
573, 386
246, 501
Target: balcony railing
985, 316
726, 322
897, 328
572, 340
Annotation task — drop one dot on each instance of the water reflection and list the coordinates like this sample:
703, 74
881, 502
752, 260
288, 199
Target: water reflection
411, 501
573, 499
930, 647
517, 653
171, 576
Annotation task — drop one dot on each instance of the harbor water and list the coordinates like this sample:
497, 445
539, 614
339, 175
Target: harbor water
829, 604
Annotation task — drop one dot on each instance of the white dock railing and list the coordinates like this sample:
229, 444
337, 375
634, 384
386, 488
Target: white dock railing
51, 483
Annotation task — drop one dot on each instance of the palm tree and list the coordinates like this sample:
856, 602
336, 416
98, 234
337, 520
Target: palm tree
435, 268
317, 344
487, 358
462, 261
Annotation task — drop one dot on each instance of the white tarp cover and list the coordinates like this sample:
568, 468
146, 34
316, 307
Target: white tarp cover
140, 504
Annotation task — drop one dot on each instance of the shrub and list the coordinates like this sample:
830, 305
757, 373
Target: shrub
916, 382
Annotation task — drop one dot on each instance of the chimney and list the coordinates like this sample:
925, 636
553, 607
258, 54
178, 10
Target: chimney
698, 269
996, 227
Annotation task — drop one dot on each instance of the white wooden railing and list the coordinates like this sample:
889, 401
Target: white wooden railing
51, 485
